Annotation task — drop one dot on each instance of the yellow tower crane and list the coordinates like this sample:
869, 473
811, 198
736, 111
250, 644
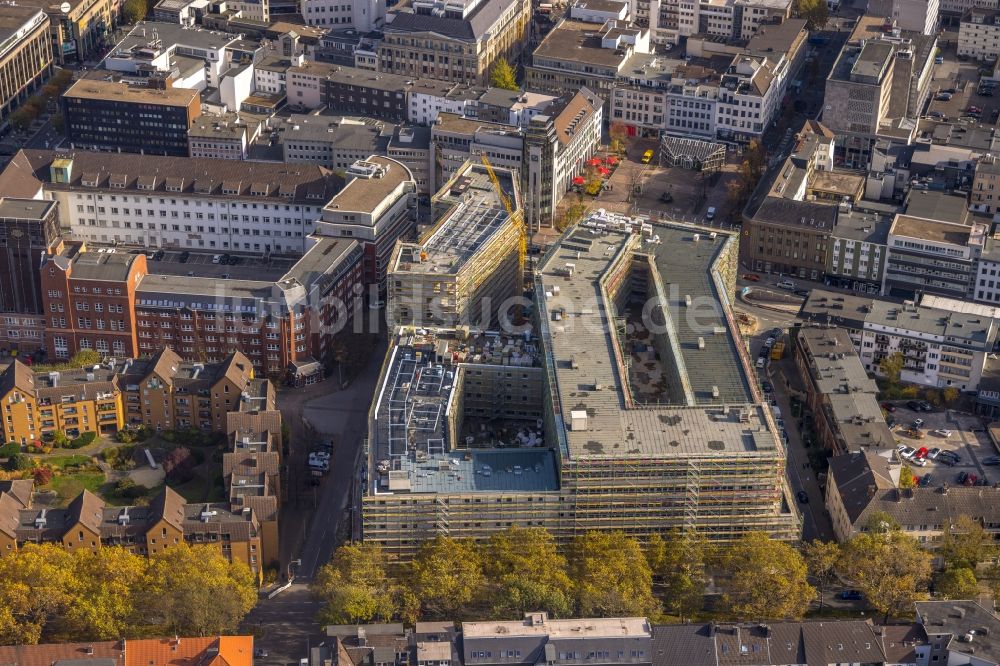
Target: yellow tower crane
522, 248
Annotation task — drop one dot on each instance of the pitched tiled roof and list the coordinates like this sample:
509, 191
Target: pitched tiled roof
265, 508
19, 376
165, 364
257, 422
86, 509
859, 476
20, 490
169, 506
100, 652
10, 513
207, 651
248, 463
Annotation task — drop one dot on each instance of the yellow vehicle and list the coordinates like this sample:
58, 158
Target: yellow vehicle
647, 157
778, 351
914, 433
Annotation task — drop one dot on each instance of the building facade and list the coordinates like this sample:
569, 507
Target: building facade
25, 56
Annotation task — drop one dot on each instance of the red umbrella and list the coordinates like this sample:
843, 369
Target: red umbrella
596, 161
603, 171
579, 180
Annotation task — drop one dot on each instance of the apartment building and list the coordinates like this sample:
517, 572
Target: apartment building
88, 298
864, 483
510, 107
707, 413
557, 145
89, 523
25, 55
224, 137
951, 12
932, 256
788, 236
104, 115
376, 208
858, 248
280, 319
839, 392
175, 202
186, 651
469, 262
411, 146
453, 41
979, 34
944, 343
252, 469
334, 142
877, 87
987, 283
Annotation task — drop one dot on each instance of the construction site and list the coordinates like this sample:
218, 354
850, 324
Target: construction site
629, 405
470, 261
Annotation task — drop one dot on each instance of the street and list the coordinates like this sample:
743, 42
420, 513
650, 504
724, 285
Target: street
311, 518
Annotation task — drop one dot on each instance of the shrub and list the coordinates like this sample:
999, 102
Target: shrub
179, 465
125, 436
10, 449
83, 440
129, 489
19, 463
42, 475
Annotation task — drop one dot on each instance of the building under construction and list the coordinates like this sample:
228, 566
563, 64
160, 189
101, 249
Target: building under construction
632, 407
469, 262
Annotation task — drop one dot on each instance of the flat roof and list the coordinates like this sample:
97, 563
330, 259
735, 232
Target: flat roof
365, 194
836, 367
931, 230
169, 36
578, 41
109, 90
25, 209
707, 407
864, 226
603, 627
474, 215
13, 18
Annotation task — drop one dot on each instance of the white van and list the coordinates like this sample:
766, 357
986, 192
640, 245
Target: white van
786, 284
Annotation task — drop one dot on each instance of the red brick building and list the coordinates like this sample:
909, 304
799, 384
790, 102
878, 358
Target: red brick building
89, 300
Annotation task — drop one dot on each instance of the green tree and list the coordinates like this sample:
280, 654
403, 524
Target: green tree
612, 576
949, 395
85, 357
527, 573
764, 579
354, 586
891, 367
957, 583
679, 571
447, 576
195, 591
39, 587
821, 562
111, 580
881, 522
965, 544
19, 463
59, 439
503, 76
906, 477
134, 10
815, 12
889, 567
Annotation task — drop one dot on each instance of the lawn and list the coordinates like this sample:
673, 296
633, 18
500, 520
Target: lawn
70, 485
200, 489
61, 462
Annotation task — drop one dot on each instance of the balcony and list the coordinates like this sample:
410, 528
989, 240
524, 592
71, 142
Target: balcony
105, 418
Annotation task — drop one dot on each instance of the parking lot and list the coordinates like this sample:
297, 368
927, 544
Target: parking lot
962, 76
967, 438
200, 264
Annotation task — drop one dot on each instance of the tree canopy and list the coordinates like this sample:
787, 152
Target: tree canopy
679, 575
355, 587
447, 576
889, 567
766, 579
527, 573
52, 593
503, 75
815, 12
612, 576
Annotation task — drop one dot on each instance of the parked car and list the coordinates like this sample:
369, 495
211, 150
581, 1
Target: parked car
647, 157
914, 405
752, 277
921, 452
216, 258
260, 652
803, 497
962, 477
906, 451
991, 461
933, 453
950, 455
970, 480
666, 197
710, 213
185, 255
918, 423
925, 406
888, 407
786, 284
776, 332
942, 432
919, 462
804, 293
159, 254
761, 361
925, 480
851, 595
